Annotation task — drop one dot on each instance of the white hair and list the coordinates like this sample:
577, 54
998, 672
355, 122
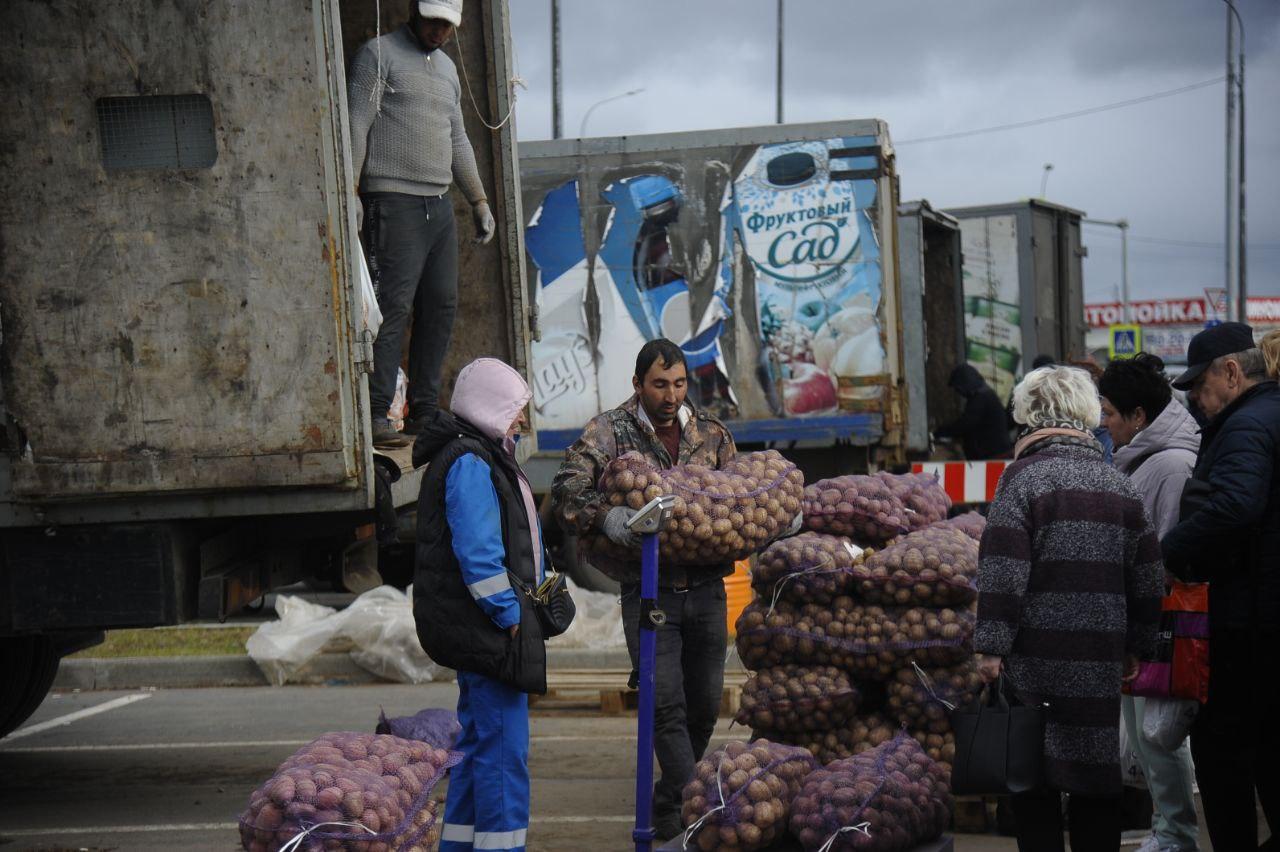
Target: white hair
1057, 395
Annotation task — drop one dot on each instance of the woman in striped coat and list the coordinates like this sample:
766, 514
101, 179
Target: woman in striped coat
1069, 585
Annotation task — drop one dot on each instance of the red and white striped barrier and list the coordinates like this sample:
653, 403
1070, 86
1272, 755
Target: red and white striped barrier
965, 482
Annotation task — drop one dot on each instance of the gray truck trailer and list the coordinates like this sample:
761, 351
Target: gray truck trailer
184, 415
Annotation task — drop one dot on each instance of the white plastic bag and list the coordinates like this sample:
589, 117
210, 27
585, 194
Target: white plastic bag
597, 625
1130, 766
371, 314
380, 624
1166, 722
281, 648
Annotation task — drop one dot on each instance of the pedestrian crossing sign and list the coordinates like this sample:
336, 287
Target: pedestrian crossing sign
1126, 341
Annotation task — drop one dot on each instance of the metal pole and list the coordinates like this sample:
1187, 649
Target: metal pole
644, 833
557, 90
1123, 225
1233, 309
778, 117
1242, 252
1044, 179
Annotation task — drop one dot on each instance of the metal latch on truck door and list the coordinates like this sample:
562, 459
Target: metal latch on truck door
364, 353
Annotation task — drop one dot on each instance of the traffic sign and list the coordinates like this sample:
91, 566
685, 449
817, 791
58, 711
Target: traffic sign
1125, 341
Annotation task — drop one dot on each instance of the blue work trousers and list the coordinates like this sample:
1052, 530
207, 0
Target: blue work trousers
488, 803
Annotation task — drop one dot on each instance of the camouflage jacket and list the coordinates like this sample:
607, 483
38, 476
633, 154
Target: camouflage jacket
580, 508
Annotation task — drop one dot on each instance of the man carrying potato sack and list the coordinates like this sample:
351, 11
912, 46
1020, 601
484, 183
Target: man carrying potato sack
660, 424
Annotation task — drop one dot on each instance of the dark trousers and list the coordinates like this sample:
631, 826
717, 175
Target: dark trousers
689, 680
1094, 823
411, 243
1234, 741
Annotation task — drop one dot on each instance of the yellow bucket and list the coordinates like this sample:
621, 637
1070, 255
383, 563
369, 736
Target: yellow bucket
737, 589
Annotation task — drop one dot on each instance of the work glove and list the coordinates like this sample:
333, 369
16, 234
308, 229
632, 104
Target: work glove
615, 527
484, 222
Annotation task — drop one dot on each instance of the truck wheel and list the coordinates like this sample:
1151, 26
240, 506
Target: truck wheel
29, 664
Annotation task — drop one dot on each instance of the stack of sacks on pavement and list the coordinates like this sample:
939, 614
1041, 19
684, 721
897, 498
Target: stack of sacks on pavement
862, 626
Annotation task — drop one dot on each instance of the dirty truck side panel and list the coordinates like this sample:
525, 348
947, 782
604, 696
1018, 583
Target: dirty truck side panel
188, 327
769, 254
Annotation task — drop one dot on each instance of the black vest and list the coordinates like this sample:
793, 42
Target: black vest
452, 628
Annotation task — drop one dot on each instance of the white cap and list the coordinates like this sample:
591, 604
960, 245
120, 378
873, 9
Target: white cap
447, 10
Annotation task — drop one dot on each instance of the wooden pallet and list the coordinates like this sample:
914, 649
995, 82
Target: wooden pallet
606, 692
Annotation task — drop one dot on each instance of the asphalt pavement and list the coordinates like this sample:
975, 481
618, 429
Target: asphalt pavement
173, 768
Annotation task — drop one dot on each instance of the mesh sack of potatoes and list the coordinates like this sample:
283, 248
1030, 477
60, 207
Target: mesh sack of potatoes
888, 799
925, 499
349, 791
936, 567
798, 698
863, 732
869, 642
972, 524
719, 515
922, 699
939, 747
863, 508
740, 795
806, 568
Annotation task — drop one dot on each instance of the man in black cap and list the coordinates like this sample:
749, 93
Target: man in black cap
1229, 535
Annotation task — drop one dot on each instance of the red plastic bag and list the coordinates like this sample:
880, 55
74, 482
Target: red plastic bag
1180, 666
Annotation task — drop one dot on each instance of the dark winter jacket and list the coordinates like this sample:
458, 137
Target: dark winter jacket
981, 428
1069, 583
453, 627
1229, 532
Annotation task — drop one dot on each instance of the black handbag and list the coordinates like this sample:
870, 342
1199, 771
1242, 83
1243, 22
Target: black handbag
999, 746
551, 602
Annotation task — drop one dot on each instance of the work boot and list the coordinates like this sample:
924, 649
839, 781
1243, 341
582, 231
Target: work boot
416, 424
666, 826
385, 436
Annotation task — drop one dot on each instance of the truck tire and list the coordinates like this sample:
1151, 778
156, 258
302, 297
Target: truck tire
29, 664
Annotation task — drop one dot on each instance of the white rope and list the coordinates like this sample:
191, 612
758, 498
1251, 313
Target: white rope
693, 829
928, 684
516, 80
864, 827
295, 842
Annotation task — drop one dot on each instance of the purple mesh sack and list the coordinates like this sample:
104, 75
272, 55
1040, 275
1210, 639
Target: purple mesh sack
859, 734
862, 508
933, 567
922, 699
719, 515
868, 642
434, 726
806, 568
740, 795
798, 698
972, 524
922, 494
888, 799
349, 791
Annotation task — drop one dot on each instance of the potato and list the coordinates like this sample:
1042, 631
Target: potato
933, 567
806, 568
719, 515
740, 795
889, 798
798, 698
381, 781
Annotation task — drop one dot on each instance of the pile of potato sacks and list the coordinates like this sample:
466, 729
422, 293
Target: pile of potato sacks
860, 637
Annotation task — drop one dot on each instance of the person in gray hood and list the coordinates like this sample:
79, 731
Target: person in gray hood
1156, 442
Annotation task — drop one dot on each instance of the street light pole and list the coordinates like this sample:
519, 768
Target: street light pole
778, 113
557, 86
1232, 285
1044, 179
582, 129
1123, 225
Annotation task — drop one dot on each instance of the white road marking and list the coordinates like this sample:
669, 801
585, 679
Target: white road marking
233, 826
240, 744
60, 721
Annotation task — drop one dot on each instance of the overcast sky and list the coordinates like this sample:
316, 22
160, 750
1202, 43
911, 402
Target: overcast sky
929, 67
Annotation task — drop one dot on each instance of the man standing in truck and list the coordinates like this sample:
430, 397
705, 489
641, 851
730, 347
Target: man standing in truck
658, 423
408, 146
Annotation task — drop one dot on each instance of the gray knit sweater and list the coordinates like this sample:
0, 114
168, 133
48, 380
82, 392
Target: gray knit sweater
416, 142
